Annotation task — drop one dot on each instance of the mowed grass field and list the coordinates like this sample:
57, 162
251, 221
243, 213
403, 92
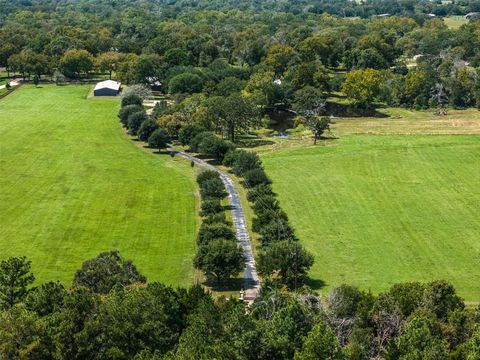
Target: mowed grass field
72, 185
378, 210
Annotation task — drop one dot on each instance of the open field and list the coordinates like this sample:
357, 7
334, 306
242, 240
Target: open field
377, 210
72, 185
455, 21
397, 121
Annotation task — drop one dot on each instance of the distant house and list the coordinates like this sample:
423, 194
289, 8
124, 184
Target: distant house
383, 15
107, 88
472, 16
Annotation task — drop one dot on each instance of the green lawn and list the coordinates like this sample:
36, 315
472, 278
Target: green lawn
377, 210
455, 21
72, 185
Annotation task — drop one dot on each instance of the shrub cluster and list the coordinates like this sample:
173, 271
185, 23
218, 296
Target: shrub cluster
207, 143
218, 255
281, 253
134, 118
110, 312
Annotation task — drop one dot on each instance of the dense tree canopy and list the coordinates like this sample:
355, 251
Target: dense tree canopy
107, 270
153, 321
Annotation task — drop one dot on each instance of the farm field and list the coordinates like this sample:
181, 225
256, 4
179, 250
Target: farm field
72, 185
378, 210
455, 21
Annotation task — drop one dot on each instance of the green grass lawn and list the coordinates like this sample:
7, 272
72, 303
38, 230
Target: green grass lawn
455, 21
72, 185
377, 210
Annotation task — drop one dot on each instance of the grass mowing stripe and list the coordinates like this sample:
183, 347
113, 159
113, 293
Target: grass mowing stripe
376, 210
73, 185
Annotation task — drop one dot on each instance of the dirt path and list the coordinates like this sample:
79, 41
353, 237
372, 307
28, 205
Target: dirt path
250, 277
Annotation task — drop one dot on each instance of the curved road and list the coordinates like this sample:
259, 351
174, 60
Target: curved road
250, 277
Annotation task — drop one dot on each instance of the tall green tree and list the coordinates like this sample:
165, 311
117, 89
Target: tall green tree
219, 259
159, 139
234, 114
105, 271
320, 343
76, 62
15, 277
362, 86
286, 259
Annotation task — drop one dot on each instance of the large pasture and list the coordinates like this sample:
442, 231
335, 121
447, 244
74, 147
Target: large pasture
378, 210
72, 185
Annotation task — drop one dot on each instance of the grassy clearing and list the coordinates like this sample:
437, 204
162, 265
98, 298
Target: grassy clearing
454, 22
397, 121
376, 210
72, 185
408, 122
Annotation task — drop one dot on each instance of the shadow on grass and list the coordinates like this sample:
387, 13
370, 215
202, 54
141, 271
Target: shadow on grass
232, 285
316, 284
251, 140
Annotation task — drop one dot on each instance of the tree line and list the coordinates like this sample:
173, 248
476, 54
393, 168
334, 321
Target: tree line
110, 311
164, 9
281, 258
269, 57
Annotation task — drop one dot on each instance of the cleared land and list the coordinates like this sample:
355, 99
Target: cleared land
377, 210
455, 21
72, 185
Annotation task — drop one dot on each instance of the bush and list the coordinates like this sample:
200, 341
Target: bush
344, 301
188, 132
140, 90
212, 145
126, 111
256, 177
266, 216
276, 230
266, 202
197, 139
159, 139
135, 120
146, 129
217, 219
207, 175
132, 99
246, 161
259, 191
211, 207
209, 232
213, 188
231, 157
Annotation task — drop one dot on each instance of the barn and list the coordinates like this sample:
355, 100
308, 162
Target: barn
107, 88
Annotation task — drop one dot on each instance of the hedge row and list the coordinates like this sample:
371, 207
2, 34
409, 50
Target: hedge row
218, 255
281, 256
134, 118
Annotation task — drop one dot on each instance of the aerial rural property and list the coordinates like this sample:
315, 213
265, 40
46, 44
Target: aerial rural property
240, 179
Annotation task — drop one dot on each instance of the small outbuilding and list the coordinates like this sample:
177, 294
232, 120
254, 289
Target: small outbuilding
107, 88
